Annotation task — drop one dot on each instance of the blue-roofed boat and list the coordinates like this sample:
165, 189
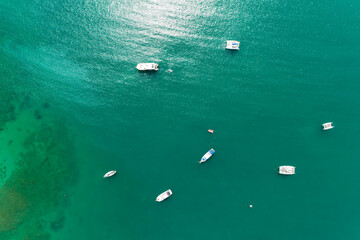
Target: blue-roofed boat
207, 155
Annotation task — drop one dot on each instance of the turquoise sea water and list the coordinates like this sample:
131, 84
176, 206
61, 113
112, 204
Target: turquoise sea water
73, 107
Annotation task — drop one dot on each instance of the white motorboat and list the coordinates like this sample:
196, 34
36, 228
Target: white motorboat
109, 174
207, 155
164, 195
328, 126
147, 67
232, 45
287, 170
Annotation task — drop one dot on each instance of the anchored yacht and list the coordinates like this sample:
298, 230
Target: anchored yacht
164, 195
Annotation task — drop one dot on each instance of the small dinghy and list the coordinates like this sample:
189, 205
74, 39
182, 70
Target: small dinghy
207, 155
164, 195
328, 126
109, 174
211, 131
232, 45
287, 170
147, 67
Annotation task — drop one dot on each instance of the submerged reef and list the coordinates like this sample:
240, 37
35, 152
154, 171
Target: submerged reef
32, 199
8, 94
7, 109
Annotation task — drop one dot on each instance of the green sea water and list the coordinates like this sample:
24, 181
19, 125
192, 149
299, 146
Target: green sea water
73, 107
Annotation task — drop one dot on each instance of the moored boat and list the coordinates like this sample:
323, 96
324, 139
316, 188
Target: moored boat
287, 170
328, 126
164, 195
147, 67
207, 155
109, 174
232, 45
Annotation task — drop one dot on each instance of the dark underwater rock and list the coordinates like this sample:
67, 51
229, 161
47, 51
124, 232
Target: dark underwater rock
37, 114
46, 105
58, 224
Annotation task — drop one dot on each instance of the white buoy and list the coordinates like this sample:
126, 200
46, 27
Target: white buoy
251, 206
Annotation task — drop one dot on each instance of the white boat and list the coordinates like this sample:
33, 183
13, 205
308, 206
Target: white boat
147, 67
164, 195
232, 45
327, 126
287, 170
109, 174
207, 155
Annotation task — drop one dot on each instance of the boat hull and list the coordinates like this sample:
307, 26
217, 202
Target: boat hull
233, 49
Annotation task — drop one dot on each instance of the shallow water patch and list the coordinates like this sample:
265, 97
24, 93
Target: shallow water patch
44, 171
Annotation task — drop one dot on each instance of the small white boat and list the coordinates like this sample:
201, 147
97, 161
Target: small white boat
287, 170
207, 155
109, 174
164, 195
327, 126
147, 67
232, 45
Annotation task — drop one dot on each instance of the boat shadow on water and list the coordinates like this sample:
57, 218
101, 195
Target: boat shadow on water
147, 73
231, 52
